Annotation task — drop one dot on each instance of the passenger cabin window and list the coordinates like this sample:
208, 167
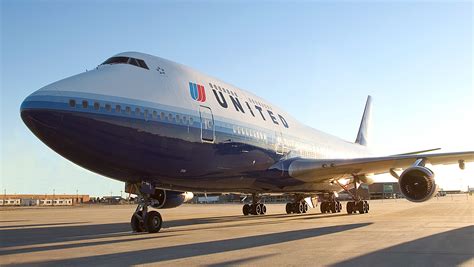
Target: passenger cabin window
126, 60
96, 105
118, 108
128, 110
72, 103
108, 107
85, 104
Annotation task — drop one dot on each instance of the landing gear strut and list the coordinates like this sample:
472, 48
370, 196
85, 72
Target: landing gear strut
256, 208
143, 220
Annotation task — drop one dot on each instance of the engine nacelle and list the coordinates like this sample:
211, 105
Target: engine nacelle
165, 199
417, 184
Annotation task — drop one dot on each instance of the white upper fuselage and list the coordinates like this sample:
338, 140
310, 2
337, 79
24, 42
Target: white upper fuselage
167, 83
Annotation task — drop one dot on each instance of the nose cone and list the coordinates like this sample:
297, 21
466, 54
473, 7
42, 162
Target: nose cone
41, 120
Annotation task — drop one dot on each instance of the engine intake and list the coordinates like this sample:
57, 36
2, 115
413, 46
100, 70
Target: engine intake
165, 199
417, 184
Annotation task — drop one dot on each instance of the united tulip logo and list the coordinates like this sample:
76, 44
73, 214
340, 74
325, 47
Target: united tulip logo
197, 92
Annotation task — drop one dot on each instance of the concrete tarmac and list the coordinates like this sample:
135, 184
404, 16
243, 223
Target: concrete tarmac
439, 232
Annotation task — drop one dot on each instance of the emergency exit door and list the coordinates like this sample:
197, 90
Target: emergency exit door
207, 124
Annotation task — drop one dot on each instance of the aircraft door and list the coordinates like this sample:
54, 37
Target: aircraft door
207, 124
279, 143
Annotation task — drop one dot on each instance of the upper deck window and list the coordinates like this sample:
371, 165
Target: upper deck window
126, 60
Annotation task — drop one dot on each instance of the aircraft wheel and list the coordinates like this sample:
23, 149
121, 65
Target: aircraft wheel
340, 206
300, 207
366, 207
305, 207
323, 207
360, 207
289, 208
332, 207
256, 209
246, 209
136, 223
350, 207
153, 221
263, 209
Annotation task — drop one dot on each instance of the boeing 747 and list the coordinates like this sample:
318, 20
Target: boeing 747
167, 130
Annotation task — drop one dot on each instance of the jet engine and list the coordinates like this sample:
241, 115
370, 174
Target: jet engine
417, 184
165, 199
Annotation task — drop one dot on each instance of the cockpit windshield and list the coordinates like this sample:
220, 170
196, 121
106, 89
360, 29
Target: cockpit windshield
126, 60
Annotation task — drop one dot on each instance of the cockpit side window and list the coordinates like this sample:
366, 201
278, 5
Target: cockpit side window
126, 60
133, 62
116, 60
142, 63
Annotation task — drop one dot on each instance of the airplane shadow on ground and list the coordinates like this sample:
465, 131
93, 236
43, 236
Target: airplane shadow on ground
450, 248
203, 248
25, 235
38, 225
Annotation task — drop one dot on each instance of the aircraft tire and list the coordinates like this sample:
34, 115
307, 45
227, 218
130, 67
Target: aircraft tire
246, 209
322, 207
136, 224
289, 208
299, 207
350, 207
256, 209
360, 207
153, 221
366, 207
305, 207
332, 207
263, 209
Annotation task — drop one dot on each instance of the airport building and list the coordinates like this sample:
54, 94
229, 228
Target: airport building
385, 190
42, 200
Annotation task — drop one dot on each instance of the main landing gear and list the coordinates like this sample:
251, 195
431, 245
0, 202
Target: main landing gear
297, 207
357, 205
143, 220
361, 206
332, 206
256, 208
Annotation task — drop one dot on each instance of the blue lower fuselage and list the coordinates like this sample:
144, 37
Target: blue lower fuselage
134, 141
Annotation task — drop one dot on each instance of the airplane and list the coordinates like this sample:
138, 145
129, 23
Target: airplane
167, 130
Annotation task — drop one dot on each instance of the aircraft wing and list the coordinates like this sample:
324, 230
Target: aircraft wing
313, 170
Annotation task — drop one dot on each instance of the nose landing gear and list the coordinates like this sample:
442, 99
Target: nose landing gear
143, 220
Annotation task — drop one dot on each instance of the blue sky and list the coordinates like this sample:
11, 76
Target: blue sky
317, 60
